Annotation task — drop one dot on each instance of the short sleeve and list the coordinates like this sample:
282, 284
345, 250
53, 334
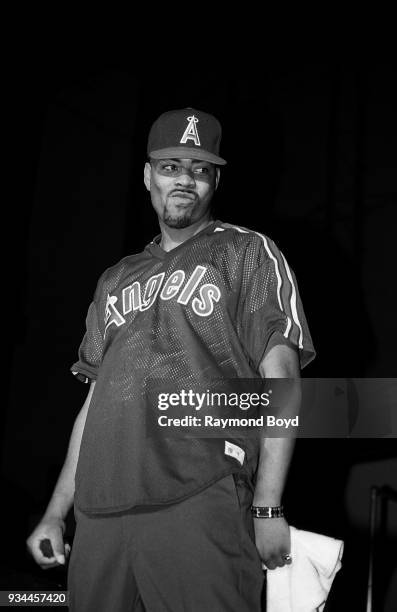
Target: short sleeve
272, 311
91, 348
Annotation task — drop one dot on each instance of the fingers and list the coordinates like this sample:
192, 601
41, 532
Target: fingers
47, 555
53, 549
274, 561
47, 549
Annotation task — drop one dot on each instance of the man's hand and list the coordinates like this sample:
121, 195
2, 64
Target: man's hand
273, 541
46, 543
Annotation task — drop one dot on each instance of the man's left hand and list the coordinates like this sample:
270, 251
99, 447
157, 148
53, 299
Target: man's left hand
273, 541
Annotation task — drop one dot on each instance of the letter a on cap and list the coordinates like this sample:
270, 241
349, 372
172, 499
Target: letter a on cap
191, 132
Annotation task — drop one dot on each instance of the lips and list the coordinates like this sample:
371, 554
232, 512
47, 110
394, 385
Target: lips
186, 195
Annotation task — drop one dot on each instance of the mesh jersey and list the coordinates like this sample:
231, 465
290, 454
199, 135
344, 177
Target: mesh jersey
210, 308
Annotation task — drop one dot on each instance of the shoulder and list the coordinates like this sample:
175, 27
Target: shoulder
257, 245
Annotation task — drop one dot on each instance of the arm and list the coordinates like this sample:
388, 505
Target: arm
52, 524
272, 535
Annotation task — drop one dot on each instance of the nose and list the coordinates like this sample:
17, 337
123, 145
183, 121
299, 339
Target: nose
186, 178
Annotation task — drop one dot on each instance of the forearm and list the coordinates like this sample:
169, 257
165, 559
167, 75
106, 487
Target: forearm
63, 495
276, 453
274, 460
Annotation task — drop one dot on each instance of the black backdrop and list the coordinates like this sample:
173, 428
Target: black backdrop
311, 162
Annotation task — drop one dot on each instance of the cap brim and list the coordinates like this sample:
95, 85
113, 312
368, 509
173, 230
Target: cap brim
187, 153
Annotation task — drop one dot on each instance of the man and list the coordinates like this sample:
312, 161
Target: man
165, 523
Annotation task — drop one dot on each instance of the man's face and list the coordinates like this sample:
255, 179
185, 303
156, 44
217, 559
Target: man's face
181, 189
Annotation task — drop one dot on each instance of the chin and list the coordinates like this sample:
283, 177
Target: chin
178, 222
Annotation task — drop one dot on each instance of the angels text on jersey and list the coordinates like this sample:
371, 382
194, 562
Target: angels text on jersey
176, 286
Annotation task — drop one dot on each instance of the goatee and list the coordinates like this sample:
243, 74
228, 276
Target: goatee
178, 222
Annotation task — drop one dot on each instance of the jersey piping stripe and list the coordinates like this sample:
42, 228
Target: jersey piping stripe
287, 293
292, 301
280, 284
289, 325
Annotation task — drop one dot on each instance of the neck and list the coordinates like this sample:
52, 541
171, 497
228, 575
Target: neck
172, 237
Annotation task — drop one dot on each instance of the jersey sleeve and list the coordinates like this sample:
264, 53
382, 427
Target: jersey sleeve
91, 348
273, 312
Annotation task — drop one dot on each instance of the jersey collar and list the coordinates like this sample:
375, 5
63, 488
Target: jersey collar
155, 249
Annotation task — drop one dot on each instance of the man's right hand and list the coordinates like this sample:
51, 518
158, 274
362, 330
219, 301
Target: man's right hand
50, 529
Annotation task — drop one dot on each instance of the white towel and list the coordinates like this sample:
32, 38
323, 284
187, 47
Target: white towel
304, 585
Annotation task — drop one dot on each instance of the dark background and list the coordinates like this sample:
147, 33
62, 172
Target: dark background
312, 162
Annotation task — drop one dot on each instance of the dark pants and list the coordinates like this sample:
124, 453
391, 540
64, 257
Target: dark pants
194, 556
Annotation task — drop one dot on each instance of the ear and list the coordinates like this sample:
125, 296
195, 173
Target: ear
147, 174
217, 176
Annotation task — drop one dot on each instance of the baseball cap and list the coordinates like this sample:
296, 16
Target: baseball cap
186, 133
